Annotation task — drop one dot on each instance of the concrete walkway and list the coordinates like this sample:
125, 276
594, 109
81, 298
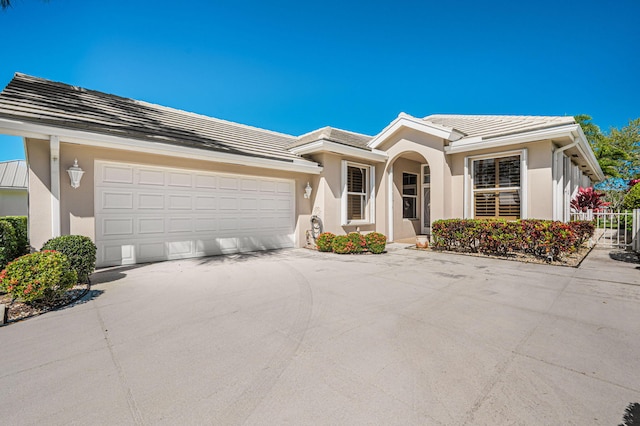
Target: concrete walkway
298, 337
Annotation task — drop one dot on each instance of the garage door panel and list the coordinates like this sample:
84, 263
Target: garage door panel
151, 201
180, 224
179, 202
151, 177
117, 200
117, 226
206, 224
151, 250
206, 182
228, 183
183, 180
151, 225
112, 174
146, 213
206, 202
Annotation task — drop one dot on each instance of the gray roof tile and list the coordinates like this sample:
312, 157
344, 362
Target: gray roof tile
41, 101
13, 174
332, 134
490, 126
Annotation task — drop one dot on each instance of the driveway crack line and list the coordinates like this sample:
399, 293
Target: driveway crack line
131, 402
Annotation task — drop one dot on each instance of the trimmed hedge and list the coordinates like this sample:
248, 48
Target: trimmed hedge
352, 243
541, 238
38, 277
19, 224
8, 243
376, 242
80, 250
359, 243
324, 241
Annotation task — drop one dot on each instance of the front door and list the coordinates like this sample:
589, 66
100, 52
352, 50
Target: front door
425, 216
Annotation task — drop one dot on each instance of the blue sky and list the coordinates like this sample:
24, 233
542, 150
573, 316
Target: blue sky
297, 66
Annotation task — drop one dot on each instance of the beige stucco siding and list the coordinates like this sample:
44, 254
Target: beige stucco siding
539, 178
13, 202
77, 205
327, 202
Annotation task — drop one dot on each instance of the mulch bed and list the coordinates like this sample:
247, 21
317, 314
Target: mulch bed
572, 259
20, 310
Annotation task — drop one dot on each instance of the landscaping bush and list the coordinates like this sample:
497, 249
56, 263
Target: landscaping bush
8, 243
359, 243
376, 242
19, 224
42, 276
324, 241
584, 230
80, 250
342, 244
632, 198
541, 238
588, 199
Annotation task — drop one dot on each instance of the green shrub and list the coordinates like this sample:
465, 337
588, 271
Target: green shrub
632, 199
42, 276
376, 242
19, 224
541, 238
324, 241
80, 250
8, 243
359, 243
342, 244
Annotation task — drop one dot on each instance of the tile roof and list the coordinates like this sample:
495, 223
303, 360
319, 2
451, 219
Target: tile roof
490, 126
41, 101
332, 134
13, 174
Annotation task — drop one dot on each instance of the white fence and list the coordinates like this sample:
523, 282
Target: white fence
616, 229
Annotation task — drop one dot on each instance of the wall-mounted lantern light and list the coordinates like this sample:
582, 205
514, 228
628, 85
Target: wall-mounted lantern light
307, 191
75, 174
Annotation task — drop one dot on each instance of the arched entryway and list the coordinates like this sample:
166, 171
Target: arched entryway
409, 204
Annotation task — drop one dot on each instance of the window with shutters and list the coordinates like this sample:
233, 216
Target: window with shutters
357, 199
496, 187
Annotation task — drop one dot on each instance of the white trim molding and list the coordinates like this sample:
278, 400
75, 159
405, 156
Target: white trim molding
467, 208
370, 195
54, 165
337, 148
407, 121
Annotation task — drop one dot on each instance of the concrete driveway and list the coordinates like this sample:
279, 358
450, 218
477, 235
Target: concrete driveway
298, 337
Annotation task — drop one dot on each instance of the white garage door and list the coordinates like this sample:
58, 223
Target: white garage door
147, 213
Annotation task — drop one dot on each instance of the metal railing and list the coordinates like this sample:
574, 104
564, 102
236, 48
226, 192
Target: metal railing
615, 229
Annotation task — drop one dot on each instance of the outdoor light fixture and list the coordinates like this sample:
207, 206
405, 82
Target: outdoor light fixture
75, 174
307, 191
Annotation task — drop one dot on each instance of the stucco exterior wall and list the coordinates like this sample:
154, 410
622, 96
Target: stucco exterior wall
327, 202
13, 202
77, 205
539, 178
422, 149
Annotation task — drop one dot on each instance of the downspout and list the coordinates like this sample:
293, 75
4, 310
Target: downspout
557, 208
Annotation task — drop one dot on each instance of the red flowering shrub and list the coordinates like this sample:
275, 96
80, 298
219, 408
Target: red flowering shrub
324, 241
41, 276
541, 238
376, 242
342, 244
588, 199
359, 243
